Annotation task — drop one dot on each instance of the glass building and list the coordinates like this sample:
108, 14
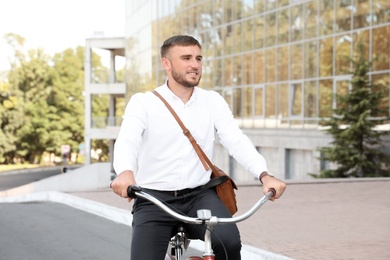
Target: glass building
277, 63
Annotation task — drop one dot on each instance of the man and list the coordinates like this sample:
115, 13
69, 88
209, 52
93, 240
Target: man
151, 151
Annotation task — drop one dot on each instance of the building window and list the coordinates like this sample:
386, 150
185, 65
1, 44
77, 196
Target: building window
343, 53
311, 59
295, 107
270, 65
343, 15
326, 17
297, 23
381, 47
270, 96
258, 30
283, 62
283, 28
247, 102
259, 101
325, 97
237, 102
283, 110
326, 57
296, 61
311, 19
259, 61
271, 29
310, 100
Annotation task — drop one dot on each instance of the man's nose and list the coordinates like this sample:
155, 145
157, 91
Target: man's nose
195, 63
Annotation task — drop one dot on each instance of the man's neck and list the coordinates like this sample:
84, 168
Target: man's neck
184, 93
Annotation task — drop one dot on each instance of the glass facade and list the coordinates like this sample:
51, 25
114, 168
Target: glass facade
276, 62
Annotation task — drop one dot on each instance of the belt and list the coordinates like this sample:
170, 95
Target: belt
178, 193
174, 193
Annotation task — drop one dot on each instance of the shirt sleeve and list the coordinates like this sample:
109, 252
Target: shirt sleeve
129, 139
234, 140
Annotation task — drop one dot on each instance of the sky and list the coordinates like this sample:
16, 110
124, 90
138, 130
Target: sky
55, 25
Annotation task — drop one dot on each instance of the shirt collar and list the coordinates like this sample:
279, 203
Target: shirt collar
167, 93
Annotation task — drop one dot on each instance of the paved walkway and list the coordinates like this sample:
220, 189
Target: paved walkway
337, 219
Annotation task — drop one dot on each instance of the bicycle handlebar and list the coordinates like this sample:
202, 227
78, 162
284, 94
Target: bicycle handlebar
204, 215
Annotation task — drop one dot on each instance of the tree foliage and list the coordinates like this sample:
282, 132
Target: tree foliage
41, 102
10, 120
356, 145
33, 80
67, 100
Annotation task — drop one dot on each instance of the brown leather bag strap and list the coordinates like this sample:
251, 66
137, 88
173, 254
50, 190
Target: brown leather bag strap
202, 156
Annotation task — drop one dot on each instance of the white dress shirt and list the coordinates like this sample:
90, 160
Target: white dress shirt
152, 144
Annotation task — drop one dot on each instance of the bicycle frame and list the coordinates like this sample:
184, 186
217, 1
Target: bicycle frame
203, 216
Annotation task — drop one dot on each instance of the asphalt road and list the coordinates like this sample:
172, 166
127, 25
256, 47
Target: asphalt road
47, 230
38, 230
9, 180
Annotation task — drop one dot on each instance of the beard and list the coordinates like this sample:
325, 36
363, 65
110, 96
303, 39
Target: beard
180, 78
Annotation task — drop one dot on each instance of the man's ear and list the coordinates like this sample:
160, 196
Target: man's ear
165, 63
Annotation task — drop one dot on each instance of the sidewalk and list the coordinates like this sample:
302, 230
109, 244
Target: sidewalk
338, 219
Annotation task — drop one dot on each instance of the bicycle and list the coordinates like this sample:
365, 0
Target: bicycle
204, 217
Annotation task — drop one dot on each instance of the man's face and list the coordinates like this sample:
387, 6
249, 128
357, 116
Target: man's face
184, 63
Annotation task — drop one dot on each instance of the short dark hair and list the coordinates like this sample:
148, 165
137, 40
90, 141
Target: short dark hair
178, 40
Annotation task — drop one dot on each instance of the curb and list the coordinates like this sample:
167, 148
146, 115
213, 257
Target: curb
41, 169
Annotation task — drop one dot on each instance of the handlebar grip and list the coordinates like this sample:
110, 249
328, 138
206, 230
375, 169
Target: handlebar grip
273, 192
131, 190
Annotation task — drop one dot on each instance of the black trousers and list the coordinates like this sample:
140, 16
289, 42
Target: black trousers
153, 228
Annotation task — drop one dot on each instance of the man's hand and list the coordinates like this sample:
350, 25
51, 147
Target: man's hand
120, 184
270, 182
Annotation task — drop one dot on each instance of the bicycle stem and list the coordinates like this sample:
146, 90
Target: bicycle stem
208, 251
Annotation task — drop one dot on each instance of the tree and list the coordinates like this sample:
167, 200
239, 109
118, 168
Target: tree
67, 100
33, 79
10, 120
356, 145
45, 106
42, 105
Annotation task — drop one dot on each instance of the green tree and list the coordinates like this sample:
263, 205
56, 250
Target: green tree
66, 99
11, 111
10, 120
48, 99
33, 79
356, 145
42, 105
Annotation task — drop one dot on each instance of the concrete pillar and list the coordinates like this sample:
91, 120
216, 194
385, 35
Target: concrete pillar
112, 76
87, 101
111, 148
